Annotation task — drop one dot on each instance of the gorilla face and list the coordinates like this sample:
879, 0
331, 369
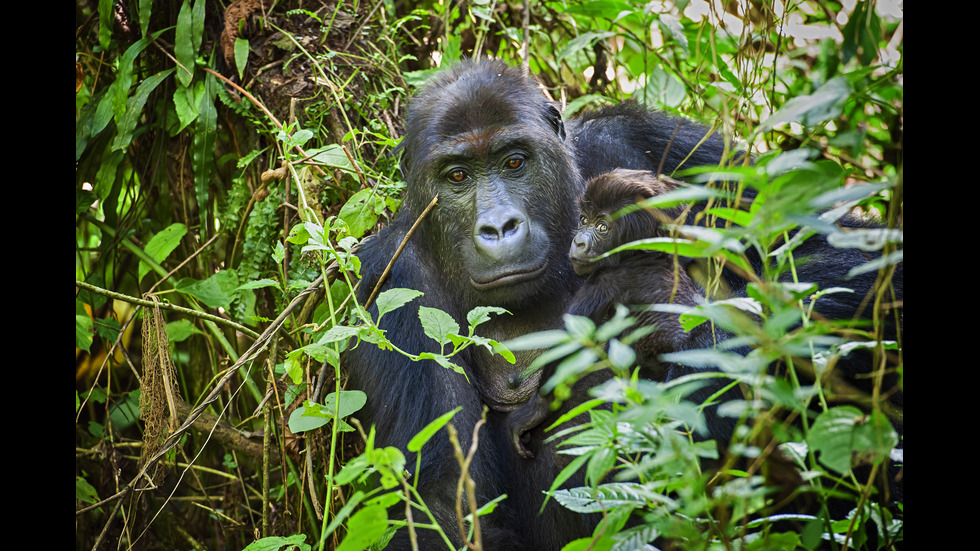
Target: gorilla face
490, 146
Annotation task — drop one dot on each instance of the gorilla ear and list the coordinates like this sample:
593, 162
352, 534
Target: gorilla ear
554, 119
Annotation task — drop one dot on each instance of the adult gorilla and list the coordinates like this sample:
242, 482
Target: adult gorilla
493, 148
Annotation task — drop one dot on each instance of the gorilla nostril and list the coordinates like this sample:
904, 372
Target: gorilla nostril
489, 232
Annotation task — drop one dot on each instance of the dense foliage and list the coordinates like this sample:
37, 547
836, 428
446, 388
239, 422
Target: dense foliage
230, 156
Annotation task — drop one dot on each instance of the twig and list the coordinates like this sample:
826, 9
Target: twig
166, 306
401, 246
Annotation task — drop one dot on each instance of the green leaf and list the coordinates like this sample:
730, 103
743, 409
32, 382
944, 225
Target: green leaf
424, 435
822, 105
161, 245
145, 8
392, 299
258, 284
202, 149
311, 415
361, 211
126, 124
293, 366
437, 324
579, 327
333, 155
184, 44
584, 40
481, 314
607, 497
350, 402
338, 333
84, 491
845, 436
277, 543
443, 361
364, 528
241, 56
300, 420
216, 291
621, 356
186, 102
537, 341
181, 330
83, 332
106, 12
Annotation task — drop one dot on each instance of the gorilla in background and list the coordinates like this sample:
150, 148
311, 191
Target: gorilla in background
494, 149
633, 278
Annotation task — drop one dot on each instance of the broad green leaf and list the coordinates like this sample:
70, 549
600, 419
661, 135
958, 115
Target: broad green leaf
443, 361
84, 491
621, 356
181, 330
216, 291
824, 104
161, 245
364, 528
579, 327
609, 496
481, 314
300, 421
577, 363
845, 435
338, 333
437, 324
278, 543
333, 155
350, 402
392, 299
145, 8
674, 29
878, 263
361, 211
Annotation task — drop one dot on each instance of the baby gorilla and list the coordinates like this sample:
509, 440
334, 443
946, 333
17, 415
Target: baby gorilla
632, 278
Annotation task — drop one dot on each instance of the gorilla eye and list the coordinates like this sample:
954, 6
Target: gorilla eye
602, 227
514, 162
457, 176
584, 220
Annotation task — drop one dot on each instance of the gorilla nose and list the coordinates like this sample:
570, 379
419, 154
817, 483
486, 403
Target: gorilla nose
501, 237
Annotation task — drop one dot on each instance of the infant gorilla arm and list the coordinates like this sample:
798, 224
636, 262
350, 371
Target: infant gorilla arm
631, 278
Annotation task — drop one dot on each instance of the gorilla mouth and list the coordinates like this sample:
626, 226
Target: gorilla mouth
502, 407
509, 278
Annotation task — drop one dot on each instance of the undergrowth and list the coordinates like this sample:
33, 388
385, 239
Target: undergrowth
225, 174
